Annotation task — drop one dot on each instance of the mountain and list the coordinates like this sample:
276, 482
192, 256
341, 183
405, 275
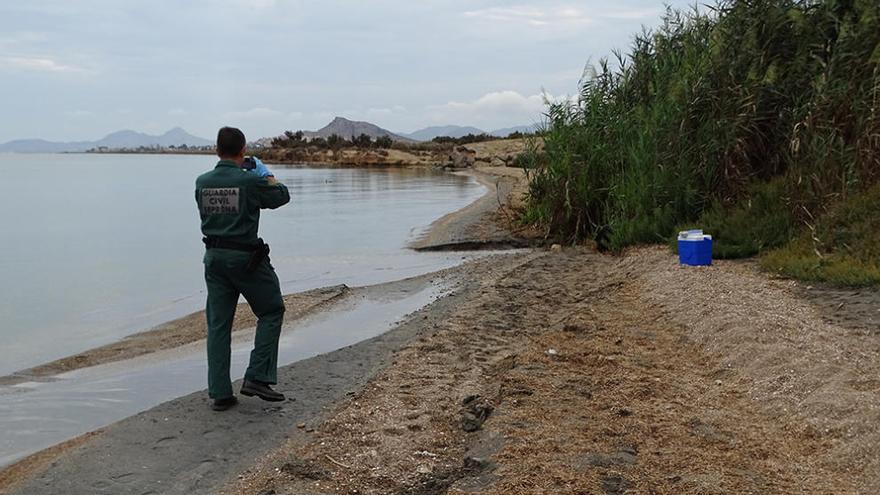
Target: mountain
117, 140
525, 129
349, 128
132, 139
455, 131
178, 136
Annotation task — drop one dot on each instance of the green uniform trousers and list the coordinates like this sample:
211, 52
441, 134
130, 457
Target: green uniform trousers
226, 279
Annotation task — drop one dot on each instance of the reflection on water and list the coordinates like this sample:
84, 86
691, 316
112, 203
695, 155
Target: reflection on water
96, 247
34, 416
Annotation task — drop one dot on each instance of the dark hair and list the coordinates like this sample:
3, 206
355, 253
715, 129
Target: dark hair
230, 142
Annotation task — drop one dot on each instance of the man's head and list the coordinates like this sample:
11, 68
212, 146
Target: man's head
231, 144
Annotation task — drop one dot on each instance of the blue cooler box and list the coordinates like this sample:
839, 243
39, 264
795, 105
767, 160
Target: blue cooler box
695, 252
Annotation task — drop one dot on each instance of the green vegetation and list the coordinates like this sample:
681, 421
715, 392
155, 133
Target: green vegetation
752, 120
749, 227
479, 138
843, 246
466, 139
294, 140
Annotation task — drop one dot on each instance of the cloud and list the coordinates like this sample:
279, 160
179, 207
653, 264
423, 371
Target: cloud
629, 14
261, 121
387, 53
496, 109
560, 19
383, 111
500, 100
20, 39
177, 112
379, 111
525, 15
80, 113
256, 4
38, 64
252, 114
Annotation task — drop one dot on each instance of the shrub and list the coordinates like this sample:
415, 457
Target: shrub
842, 247
750, 119
467, 139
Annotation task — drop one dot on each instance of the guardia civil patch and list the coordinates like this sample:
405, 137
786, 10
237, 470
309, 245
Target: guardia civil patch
220, 200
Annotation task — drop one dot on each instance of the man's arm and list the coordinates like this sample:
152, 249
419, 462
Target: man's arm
271, 193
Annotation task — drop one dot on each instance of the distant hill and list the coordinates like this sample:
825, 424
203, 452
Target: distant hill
132, 139
455, 131
525, 129
349, 128
117, 140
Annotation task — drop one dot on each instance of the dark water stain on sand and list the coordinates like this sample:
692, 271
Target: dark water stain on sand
853, 309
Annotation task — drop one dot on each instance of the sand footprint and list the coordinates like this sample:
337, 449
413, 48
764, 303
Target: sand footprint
165, 442
123, 478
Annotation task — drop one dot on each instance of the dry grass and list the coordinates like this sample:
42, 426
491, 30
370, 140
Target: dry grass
609, 375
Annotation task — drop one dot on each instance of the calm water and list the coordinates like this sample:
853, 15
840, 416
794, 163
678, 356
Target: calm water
34, 416
96, 247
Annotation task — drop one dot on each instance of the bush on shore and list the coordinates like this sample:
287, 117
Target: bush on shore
752, 119
842, 246
294, 140
482, 137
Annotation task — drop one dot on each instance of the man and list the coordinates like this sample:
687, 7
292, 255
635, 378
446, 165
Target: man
236, 263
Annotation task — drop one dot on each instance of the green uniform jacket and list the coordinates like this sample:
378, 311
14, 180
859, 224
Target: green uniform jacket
230, 199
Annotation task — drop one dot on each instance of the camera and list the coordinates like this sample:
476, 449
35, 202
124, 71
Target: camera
249, 163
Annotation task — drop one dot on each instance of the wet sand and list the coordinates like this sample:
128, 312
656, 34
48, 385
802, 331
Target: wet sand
176, 333
855, 309
484, 224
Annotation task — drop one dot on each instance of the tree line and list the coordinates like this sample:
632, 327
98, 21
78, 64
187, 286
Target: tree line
292, 140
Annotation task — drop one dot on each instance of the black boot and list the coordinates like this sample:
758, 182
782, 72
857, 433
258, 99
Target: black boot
262, 390
224, 404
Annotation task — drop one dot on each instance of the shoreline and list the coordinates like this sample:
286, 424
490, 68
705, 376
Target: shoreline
606, 373
315, 385
174, 334
192, 327
475, 224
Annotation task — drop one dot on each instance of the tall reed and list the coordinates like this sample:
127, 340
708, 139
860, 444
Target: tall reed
771, 100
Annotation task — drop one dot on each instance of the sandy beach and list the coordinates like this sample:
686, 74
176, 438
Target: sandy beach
540, 371
573, 372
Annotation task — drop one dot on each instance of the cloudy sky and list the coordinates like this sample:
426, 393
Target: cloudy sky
77, 70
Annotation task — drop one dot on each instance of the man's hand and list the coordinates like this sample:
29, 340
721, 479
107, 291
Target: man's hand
262, 170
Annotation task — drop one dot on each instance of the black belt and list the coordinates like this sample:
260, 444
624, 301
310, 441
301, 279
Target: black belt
221, 243
259, 250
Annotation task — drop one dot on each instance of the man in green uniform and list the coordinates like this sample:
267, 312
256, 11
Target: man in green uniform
236, 263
